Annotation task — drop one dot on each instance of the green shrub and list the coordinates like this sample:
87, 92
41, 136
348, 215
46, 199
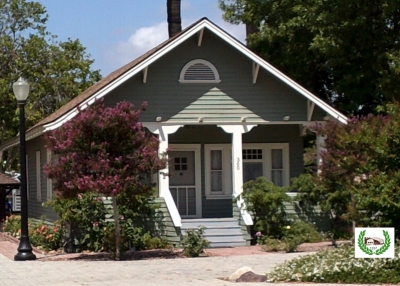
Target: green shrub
298, 232
266, 202
270, 244
293, 234
12, 225
45, 236
154, 242
85, 217
304, 229
310, 192
194, 242
339, 266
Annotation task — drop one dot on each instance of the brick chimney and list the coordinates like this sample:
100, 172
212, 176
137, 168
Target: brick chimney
174, 17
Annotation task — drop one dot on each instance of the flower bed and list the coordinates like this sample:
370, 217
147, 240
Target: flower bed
339, 266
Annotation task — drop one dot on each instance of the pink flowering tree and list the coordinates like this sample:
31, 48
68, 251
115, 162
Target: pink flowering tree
104, 150
360, 175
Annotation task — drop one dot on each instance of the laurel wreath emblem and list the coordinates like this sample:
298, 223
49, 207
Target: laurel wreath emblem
365, 249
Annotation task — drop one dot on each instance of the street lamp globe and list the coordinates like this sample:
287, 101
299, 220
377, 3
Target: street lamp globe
21, 90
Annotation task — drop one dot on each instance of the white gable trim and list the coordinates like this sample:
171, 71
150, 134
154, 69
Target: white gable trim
205, 23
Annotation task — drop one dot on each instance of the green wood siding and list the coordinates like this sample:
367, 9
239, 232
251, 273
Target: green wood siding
268, 98
35, 208
314, 215
160, 220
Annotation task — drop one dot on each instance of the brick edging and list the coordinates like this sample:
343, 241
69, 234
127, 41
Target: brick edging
8, 237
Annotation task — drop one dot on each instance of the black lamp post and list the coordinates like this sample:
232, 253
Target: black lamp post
21, 91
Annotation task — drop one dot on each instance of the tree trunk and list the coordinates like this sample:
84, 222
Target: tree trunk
174, 17
117, 229
353, 205
251, 29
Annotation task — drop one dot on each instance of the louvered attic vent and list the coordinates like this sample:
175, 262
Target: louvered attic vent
199, 71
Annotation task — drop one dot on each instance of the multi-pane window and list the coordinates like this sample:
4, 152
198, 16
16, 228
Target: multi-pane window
252, 164
270, 160
218, 171
180, 164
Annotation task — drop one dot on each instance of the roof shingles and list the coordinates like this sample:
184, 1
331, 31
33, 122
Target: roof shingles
7, 180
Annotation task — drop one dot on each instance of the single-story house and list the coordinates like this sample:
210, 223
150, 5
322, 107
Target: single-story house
226, 114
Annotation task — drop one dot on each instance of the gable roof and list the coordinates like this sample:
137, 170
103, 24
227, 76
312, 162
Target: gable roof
119, 76
6, 180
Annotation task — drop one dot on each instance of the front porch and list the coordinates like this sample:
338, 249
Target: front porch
208, 165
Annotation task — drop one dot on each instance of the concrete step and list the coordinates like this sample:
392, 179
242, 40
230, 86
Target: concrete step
209, 223
226, 244
226, 238
220, 232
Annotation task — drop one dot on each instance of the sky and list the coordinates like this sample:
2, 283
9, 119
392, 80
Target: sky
116, 32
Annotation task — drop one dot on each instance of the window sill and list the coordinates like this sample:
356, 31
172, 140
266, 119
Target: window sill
218, 197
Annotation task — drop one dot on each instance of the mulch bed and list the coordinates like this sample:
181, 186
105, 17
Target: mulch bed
104, 256
161, 253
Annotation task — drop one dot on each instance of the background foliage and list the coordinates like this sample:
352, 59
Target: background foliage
360, 175
56, 71
319, 44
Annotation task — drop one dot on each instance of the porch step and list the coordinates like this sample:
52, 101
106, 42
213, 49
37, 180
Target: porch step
220, 232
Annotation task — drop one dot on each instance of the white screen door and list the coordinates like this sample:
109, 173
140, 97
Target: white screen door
182, 182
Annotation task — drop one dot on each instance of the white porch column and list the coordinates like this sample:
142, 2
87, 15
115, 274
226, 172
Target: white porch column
163, 175
237, 165
320, 142
163, 132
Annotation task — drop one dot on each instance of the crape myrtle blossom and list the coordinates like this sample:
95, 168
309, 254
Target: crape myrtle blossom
102, 149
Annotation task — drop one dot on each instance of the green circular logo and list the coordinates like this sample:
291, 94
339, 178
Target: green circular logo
364, 248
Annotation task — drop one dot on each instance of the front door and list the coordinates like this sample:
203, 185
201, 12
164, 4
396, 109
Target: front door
183, 182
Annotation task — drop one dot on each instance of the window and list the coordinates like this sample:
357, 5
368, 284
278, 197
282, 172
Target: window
252, 164
49, 183
270, 160
218, 171
277, 166
38, 177
199, 71
180, 163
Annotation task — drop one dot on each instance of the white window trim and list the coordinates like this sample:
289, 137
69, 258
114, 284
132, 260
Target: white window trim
267, 168
226, 171
199, 61
38, 177
49, 182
